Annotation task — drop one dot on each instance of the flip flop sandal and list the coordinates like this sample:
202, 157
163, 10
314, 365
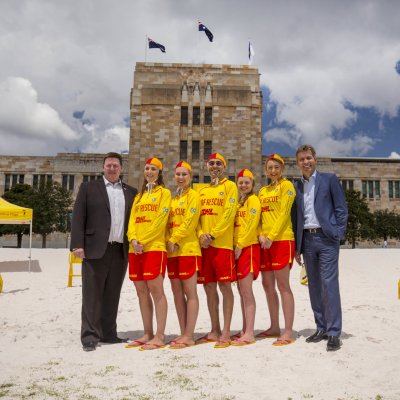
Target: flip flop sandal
283, 342
240, 342
205, 339
180, 345
135, 343
151, 346
222, 344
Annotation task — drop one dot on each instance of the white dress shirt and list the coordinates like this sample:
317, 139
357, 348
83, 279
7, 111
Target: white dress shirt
310, 218
117, 207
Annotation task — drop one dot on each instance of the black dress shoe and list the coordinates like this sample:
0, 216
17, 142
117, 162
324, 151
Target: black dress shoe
334, 343
90, 346
316, 337
114, 340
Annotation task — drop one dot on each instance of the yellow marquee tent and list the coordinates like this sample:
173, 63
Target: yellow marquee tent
12, 214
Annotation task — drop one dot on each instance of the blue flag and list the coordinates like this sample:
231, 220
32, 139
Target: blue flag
155, 45
202, 27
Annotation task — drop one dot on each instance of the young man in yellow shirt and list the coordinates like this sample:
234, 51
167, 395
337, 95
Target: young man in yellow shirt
218, 203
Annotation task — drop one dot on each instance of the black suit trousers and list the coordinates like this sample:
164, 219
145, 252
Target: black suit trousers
102, 281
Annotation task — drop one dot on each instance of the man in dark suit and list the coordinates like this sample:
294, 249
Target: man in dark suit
99, 224
319, 222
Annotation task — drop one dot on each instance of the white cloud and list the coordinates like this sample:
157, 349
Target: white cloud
394, 154
22, 115
113, 139
313, 55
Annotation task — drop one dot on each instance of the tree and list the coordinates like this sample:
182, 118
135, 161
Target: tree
360, 225
21, 195
386, 224
51, 206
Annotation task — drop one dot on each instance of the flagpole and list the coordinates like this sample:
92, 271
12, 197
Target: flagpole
145, 50
197, 41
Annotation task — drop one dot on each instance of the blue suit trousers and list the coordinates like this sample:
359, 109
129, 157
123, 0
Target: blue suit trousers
321, 256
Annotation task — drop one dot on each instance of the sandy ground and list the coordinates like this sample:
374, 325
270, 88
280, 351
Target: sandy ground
41, 355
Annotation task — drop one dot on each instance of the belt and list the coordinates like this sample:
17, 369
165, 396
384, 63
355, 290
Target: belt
313, 230
115, 243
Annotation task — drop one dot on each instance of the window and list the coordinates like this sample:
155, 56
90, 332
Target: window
364, 188
184, 115
231, 178
390, 189
12, 180
196, 115
40, 180
183, 153
377, 189
71, 183
347, 184
87, 178
7, 185
35, 182
195, 149
208, 116
68, 182
207, 179
65, 182
371, 189
196, 179
207, 149
394, 189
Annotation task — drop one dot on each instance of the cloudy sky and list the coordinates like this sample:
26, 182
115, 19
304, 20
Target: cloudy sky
327, 69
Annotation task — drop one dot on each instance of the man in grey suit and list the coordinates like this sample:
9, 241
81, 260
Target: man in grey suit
319, 222
99, 224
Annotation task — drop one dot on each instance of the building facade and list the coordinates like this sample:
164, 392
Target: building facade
68, 169
378, 179
189, 111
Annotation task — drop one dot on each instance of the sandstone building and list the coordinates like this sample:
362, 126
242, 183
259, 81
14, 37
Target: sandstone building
188, 111
68, 169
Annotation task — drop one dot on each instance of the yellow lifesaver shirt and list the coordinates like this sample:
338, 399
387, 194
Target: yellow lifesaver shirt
246, 222
276, 204
218, 204
148, 219
182, 224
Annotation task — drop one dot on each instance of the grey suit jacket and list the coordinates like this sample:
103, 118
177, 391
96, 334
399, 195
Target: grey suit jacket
91, 218
329, 205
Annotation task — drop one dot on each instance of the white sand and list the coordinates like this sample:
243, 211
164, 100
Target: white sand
41, 354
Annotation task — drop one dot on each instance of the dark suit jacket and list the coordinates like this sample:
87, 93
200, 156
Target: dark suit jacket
329, 205
91, 218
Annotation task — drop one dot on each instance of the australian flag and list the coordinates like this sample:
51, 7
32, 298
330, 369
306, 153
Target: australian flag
155, 45
202, 27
